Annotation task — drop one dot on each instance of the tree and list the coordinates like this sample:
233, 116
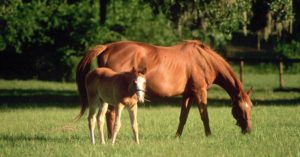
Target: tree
103, 10
271, 17
47, 35
212, 21
209, 20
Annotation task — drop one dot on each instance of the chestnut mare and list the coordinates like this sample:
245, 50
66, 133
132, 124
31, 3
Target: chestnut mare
186, 69
104, 86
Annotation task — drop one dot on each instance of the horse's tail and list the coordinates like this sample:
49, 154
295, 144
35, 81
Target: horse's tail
83, 68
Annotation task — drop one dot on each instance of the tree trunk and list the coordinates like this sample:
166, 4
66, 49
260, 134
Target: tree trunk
103, 10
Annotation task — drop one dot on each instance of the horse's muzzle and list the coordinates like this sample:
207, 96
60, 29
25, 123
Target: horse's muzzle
247, 129
245, 126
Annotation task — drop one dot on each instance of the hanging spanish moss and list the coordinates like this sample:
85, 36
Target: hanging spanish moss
271, 18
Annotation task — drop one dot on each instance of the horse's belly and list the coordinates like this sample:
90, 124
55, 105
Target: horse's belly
165, 86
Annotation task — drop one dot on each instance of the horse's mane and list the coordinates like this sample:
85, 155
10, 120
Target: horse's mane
215, 62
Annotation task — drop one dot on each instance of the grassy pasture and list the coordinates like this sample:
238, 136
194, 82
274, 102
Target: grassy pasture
35, 116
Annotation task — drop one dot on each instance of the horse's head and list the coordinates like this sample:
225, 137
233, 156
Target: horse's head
139, 83
241, 111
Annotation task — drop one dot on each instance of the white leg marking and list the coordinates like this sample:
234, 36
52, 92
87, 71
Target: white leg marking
92, 123
101, 121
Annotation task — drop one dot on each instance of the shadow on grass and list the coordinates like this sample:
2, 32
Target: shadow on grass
175, 101
287, 90
41, 138
18, 98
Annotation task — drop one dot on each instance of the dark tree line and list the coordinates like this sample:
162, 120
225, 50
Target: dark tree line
44, 39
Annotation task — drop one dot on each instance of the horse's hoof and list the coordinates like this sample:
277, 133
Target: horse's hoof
177, 135
207, 134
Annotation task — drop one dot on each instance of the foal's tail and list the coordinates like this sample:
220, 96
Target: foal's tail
82, 69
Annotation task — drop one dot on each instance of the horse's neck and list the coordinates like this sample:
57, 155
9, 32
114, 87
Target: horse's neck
230, 83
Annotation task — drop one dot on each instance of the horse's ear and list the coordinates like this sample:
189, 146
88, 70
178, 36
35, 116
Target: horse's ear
250, 91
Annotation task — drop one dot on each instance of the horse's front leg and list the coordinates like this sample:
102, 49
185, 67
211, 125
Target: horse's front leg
201, 97
117, 126
185, 108
101, 121
134, 124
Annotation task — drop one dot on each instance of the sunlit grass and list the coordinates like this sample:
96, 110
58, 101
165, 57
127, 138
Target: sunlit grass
35, 121
43, 132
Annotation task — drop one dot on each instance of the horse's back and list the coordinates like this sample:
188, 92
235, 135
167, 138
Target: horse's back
168, 68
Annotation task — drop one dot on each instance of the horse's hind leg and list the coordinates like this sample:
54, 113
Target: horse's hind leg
185, 108
117, 126
134, 124
101, 121
202, 106
92, 119
110, 120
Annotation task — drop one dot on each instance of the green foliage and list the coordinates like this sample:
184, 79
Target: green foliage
209, 21
134, 21
57, 24
271, 17
43, 37
19, 23
48, 34
290, 50
282, 10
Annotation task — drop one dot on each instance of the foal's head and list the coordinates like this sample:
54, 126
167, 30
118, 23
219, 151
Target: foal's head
241, 111
138, 84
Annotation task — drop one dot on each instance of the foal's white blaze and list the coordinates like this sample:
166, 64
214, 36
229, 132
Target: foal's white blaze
140, 84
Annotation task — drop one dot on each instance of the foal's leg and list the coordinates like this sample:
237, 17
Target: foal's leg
101, 121
92, 119
134, 124
185, 108
117, 126
201, 97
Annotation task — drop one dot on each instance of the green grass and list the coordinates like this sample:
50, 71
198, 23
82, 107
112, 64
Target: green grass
35, 116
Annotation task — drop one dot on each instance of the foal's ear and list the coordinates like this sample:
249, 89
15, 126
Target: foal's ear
250, 91
143, 70
133, 70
